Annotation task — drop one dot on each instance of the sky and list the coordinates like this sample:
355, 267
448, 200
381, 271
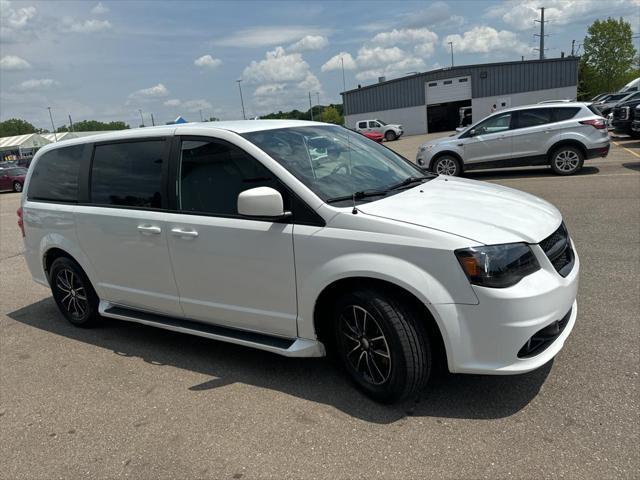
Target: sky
108, 60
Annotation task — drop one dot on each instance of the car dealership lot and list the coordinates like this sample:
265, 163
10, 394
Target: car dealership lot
125, 400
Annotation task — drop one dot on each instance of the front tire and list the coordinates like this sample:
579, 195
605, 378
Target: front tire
566, 160
390, 136
73, 293
17, 187
382, 345
447, 165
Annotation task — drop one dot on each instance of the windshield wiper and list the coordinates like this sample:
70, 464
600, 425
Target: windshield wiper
408, 181
358, 195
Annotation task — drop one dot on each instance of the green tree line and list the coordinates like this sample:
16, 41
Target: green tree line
17, 126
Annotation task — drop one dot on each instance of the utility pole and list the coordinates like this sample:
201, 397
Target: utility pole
244, 117
451, 45
70, 123
201, 115
153, 122
55, 137
310, 107
141, 117
573, 44
344, 88
541, 34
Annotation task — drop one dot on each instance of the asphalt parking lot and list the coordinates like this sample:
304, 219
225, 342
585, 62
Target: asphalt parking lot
129, 401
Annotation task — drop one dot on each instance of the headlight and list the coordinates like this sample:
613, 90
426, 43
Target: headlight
497, 266
425, 148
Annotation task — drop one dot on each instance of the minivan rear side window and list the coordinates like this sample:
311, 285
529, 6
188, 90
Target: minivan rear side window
128, 174
55, 176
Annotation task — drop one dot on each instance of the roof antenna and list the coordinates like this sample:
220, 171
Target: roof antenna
355, 210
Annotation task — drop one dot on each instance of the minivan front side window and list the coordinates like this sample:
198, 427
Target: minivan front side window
128, 174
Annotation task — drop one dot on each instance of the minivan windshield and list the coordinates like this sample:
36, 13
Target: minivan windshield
335, 162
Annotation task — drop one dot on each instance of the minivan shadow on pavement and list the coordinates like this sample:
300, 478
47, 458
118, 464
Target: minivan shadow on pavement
314, 379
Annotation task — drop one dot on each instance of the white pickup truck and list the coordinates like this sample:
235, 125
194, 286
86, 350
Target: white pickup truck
390, 132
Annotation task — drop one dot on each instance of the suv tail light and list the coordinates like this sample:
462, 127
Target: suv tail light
595, 123
20, 222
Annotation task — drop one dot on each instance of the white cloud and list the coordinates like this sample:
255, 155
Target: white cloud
277, 66
266, 36
207, 61
405, 36
377, 56
270, 89
173, 102
36, 84
394, 69
335, 63
16, 24
88, 26
484, 39
520, 14
151, 93
12, 62
308, 43
99, 9
437, 14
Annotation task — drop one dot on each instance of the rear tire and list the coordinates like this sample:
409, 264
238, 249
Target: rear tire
390, 136
73, 293
566, 160
17, 187
382, 345
446, 165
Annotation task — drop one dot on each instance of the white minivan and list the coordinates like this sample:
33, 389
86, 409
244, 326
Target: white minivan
300, 238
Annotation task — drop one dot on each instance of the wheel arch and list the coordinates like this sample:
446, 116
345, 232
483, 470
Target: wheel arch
567, 143
442, 154
327, 297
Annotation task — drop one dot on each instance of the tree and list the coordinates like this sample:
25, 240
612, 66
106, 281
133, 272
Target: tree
94, 126
15, 126
330, 115
608, 54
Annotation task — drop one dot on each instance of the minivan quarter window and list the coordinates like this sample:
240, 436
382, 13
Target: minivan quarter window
55, 176
128, 174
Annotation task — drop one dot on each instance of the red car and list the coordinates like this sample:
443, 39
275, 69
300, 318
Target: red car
376, 137
12, 179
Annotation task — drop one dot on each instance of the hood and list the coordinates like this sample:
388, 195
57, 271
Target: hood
448, 138
483, 212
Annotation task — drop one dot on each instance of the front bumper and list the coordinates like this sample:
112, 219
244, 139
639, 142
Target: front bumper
486, 338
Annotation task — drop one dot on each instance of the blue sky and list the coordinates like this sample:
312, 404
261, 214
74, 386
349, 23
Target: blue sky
105, 60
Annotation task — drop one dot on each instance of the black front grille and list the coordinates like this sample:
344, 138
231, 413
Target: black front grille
539, 342
557, 247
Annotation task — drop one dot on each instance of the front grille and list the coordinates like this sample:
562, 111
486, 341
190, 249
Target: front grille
557, 248
540, 340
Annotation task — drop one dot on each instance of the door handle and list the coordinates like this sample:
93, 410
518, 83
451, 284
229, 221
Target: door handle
149, 229
179, 232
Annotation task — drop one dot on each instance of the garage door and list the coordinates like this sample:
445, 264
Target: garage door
448, 90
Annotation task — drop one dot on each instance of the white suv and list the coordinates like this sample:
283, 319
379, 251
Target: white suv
390, 131
294, 236
561, 135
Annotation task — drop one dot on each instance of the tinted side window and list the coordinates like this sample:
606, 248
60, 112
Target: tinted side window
562, 114
128, 174
55, 177
362, 125
374, 124
213, 173
532, 118
495, 124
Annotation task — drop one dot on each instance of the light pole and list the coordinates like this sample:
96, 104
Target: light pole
310, 107
344, 88
141, 117
201, 115
451, 45
55, 137
244, 117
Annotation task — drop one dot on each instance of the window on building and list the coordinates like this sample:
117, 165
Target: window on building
448, 82
128, 174
462, 80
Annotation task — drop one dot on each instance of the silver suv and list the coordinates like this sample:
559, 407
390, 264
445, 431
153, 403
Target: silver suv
561, 135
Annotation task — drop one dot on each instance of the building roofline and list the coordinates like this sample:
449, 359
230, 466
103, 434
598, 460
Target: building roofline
462, 67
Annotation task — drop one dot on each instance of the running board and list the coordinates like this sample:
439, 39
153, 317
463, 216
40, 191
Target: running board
289, 347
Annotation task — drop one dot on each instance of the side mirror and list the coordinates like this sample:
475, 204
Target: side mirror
261, 202
472, 132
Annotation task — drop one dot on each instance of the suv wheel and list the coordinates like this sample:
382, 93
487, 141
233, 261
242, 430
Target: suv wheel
17, 187
390, 135
446, 165
566, 160
382, 345
73, 293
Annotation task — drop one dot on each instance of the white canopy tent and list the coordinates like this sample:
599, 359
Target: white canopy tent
21, 145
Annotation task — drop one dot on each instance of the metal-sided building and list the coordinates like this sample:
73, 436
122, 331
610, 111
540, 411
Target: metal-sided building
430, 101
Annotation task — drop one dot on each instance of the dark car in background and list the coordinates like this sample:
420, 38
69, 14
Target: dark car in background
12, 179
624, 115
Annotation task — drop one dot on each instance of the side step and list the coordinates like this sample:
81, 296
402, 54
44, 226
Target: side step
289, 347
